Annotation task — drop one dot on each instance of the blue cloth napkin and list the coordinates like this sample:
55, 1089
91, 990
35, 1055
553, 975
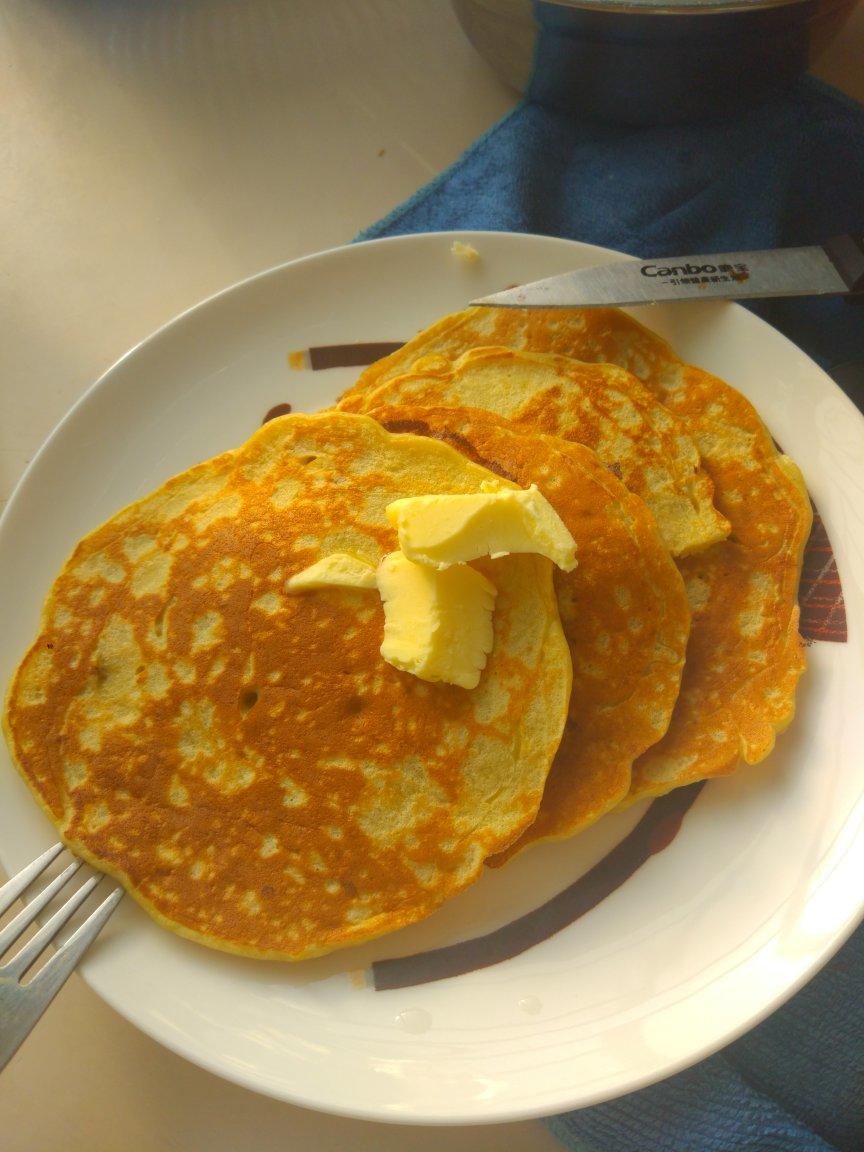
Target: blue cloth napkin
789, 172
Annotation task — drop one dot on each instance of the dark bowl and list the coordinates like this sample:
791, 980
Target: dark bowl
651, 61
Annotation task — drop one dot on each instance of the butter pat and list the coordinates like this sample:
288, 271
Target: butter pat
437, 624
337, 570
438, 531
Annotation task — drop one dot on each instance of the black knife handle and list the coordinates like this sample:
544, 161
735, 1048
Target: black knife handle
846, 253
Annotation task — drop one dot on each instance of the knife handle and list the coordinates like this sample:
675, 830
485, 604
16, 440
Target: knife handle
846, 253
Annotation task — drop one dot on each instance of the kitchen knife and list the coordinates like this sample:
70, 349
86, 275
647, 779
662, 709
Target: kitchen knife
834, 268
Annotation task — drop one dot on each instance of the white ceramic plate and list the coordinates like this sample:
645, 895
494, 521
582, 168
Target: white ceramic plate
759, 888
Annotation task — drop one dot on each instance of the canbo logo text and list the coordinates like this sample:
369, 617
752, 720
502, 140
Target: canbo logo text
693, 269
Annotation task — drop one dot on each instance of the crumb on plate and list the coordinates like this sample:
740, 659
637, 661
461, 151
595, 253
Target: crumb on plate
466, 252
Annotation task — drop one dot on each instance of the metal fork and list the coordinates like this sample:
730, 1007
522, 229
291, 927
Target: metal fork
21, 1005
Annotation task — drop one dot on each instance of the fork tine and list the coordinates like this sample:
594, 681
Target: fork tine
23, 1004
50, 978
26, 916
10, 891
27, 956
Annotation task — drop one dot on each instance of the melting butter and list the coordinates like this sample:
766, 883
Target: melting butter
437, 623
339, 570
437, 531
437, 609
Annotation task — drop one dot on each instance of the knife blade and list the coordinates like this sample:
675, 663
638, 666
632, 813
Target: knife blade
834, 268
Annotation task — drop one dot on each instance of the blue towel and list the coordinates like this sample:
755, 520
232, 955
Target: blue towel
789, 172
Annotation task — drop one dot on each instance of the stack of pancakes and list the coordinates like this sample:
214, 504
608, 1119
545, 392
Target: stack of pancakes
255, 773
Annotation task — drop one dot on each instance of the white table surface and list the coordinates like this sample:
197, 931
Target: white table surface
150, 154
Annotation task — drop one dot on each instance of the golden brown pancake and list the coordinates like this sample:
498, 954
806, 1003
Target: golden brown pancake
243, 760
601, 406
624, 610
745, 657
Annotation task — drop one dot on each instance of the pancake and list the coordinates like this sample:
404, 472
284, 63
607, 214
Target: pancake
623, 608
243, 760
745, 657
600, 406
